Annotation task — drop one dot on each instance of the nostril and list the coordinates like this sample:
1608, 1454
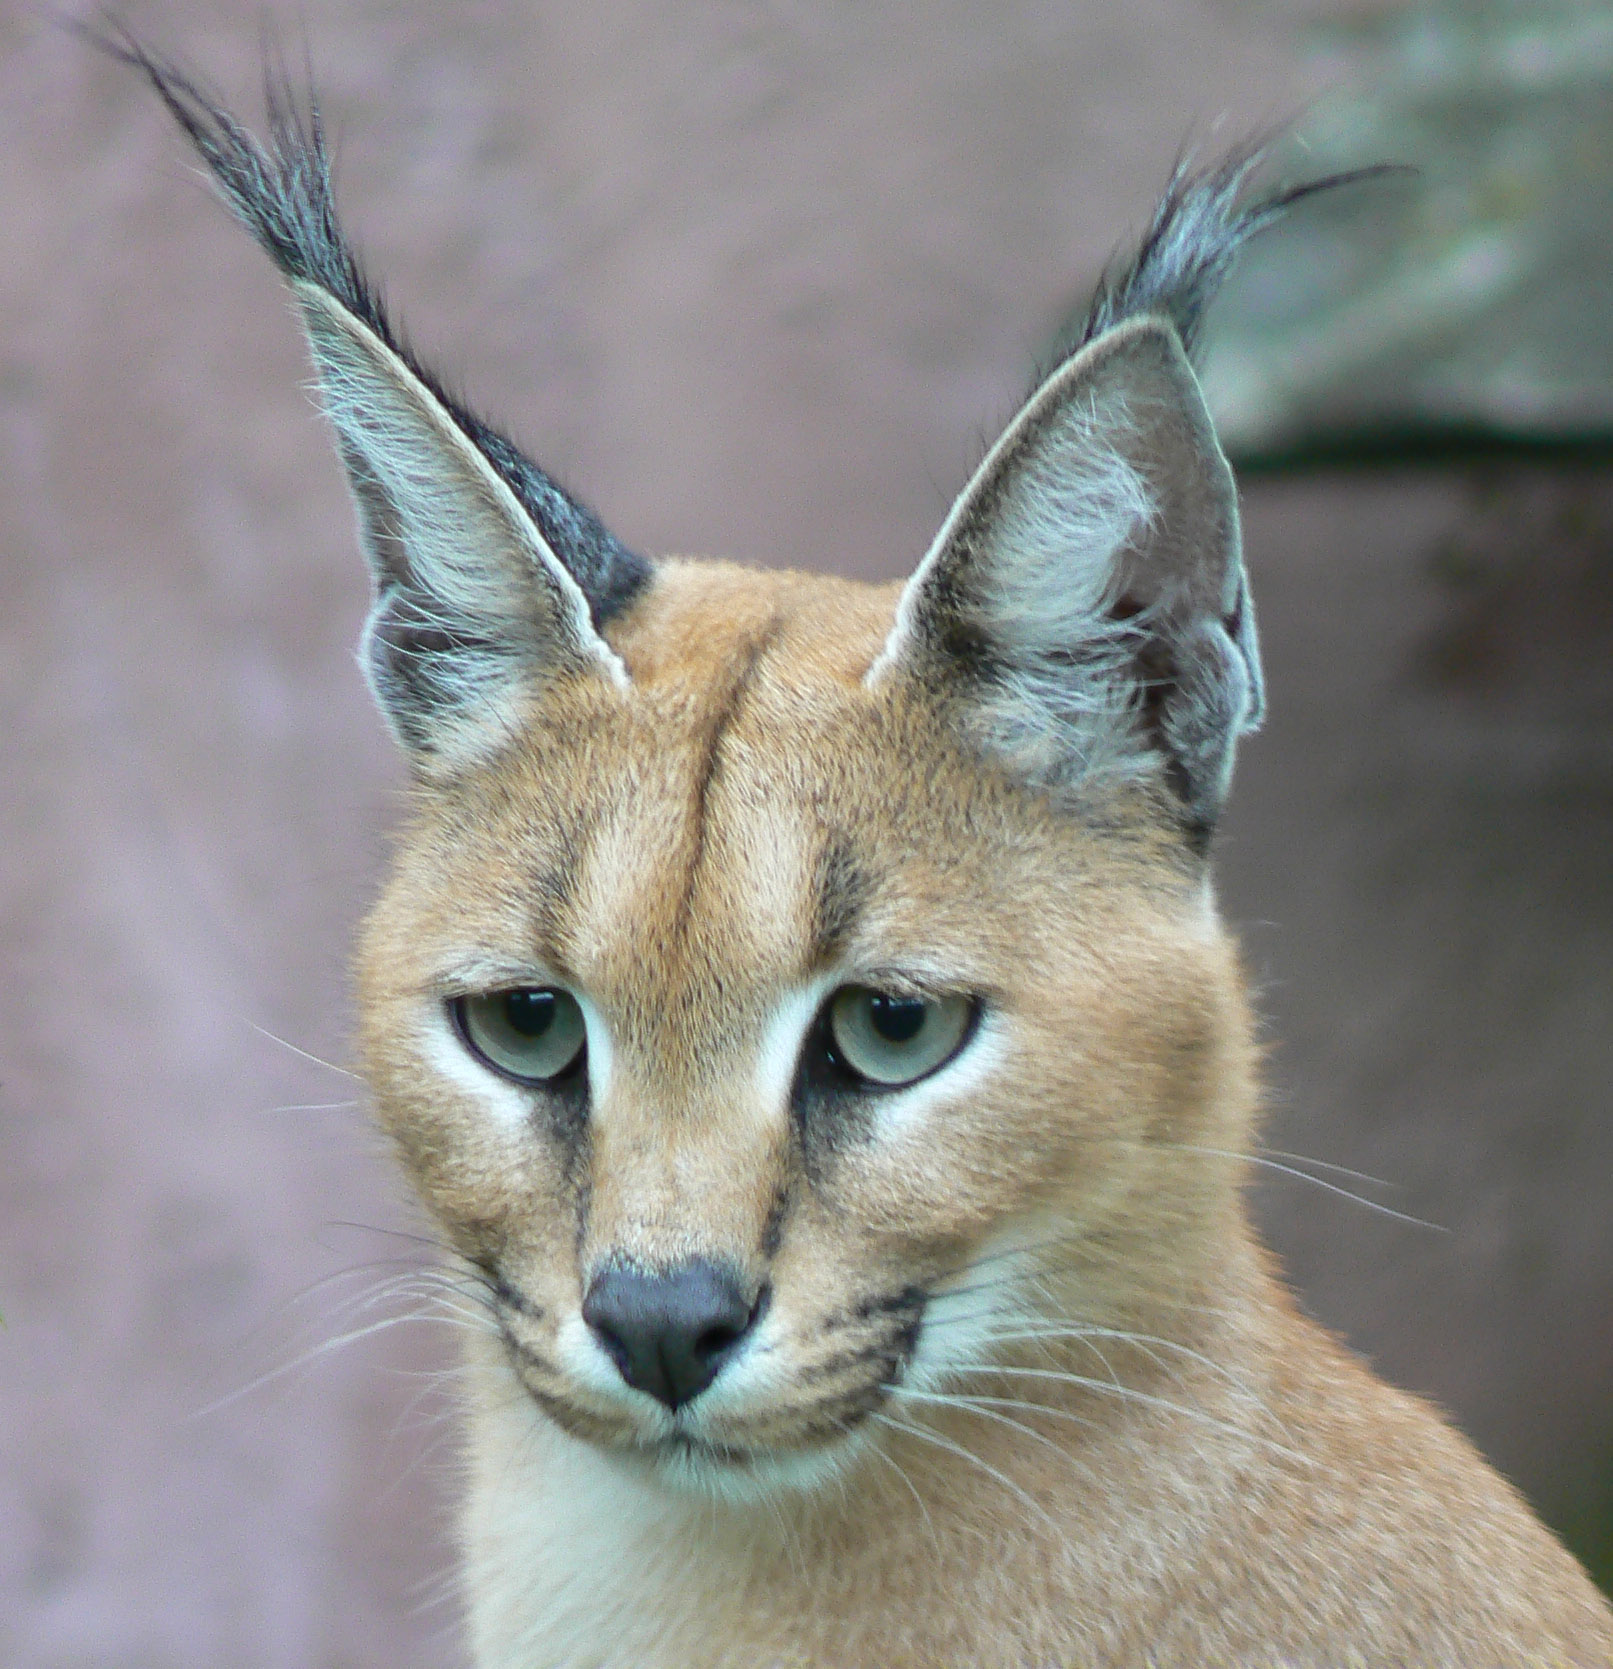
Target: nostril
716, 1339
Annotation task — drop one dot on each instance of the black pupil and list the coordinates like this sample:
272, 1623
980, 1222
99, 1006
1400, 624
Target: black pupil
530, 1013
897, 1019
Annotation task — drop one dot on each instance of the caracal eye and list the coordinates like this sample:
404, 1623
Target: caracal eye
534, 1035
895, 1040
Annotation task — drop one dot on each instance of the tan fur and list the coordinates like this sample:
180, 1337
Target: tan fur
1156, 1461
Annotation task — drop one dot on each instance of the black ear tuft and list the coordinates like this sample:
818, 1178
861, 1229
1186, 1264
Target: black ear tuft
1202, 221
281, 192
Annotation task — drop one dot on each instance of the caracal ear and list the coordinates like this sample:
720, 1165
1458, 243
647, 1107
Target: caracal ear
1084, 608
488, 580
472, 606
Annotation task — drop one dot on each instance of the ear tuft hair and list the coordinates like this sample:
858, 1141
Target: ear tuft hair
281, 192
1202, 221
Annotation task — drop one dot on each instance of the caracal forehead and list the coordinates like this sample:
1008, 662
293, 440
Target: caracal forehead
745, 814
689, 831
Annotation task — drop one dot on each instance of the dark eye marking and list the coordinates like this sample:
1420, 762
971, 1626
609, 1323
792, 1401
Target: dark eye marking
841, 895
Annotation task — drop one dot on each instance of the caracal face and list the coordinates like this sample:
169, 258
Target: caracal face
702, 859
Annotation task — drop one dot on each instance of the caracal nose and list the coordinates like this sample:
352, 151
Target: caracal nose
670, 1333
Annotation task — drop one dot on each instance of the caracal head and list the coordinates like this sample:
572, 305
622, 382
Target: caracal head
788, 990
777, 819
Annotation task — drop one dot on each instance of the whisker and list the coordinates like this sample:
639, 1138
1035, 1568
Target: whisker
434, 1286
330, 1066
1129, 1393
1061, 1325
976, 1265
1149, 1342
926, 1435
1316, 1182
302, 1361
438, 1299
982, 1404
435, 1242
1329, 1166
1296, 1166
313, 1289
992, 1282
431, 1592
923, 1505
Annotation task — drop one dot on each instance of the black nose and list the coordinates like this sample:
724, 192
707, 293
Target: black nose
670, 1333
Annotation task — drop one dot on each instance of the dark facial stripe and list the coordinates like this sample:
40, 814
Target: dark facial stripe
711, 759
515, 1300
773, 1228
528, 1357
842, 890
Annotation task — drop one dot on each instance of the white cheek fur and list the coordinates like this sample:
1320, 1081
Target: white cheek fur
899, 1111
988, 1297
583, 1358
508, 1105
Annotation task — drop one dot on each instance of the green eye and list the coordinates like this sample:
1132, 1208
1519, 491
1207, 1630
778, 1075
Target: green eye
534, 1035
894, 1040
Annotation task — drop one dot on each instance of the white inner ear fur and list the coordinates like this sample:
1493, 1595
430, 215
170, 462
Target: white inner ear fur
1108, 485
1060, 530
477, 564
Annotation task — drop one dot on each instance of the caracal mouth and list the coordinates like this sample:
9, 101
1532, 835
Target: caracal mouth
681, 1448
688, 1464
689, 1444
685, 1459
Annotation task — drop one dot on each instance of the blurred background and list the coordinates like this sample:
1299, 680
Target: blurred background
760, 278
